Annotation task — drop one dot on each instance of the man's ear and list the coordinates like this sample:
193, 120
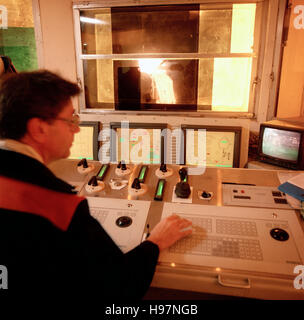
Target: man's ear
37, 129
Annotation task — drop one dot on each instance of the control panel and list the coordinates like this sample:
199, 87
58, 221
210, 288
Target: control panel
264, 238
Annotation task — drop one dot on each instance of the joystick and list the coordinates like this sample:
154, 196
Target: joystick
163, 171
83, 162
182, 188
93, 182
163, 167
137, 188
94, 185
122, 169
83, 167
136, 184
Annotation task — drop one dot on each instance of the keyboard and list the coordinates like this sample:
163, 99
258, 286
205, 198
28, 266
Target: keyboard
99, 214
228, 247
223, 244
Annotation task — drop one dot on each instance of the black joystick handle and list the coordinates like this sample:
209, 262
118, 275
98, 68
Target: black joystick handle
163, 167
119, 165
93, 182
136, 184
183, 173
83, 162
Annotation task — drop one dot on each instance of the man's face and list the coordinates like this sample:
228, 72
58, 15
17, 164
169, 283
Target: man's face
61, 134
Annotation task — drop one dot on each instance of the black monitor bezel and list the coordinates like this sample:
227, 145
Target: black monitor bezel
237, 141
290, 164
134, 125
95, 126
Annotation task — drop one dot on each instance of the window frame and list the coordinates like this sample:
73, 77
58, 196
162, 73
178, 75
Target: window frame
261, 50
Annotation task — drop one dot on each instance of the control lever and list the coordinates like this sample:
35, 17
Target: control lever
137, 188
182, 188
136, 184
93, 182
83, 162
163, 172
94, 185
163, 167
122, 169
83, 167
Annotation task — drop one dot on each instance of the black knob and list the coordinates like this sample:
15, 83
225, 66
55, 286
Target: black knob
206, 194
123, 166
163, 167
93, 182
83, 162
136, 184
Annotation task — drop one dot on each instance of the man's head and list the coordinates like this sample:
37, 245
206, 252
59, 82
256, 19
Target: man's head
36, 108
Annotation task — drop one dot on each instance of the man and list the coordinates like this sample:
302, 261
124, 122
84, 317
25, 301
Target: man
49, 242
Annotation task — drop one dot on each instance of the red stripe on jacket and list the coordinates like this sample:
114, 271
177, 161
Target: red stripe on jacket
57, 207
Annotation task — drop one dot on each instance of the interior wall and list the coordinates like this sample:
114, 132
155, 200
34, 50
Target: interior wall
291, 92
56, 18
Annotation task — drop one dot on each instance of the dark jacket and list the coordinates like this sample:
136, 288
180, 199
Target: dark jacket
65, 253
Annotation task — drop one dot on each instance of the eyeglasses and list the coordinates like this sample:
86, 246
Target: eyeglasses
75, 121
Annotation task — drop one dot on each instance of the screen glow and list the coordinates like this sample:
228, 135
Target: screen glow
281, 144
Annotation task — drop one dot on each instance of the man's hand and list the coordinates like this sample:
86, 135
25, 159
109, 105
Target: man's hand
169, 230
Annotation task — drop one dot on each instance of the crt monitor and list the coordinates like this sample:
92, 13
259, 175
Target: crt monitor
85, 144
282, 143
137, 143
216, 146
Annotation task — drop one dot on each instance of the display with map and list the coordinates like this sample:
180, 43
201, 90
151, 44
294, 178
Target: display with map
139, 145
212, 147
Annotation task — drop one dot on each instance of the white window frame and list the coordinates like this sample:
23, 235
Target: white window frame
263, 55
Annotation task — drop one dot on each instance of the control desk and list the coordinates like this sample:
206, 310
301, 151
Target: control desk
247, 241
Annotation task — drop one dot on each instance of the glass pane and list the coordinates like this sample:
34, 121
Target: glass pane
231, 84
224, 83
96, 34
158, 84
155, 29
215, 31
99, 83
243, 18
228, 30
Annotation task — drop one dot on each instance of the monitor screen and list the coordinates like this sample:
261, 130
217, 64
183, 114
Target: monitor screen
137, 144
212, 146
281, 144
219, 148
85, 144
